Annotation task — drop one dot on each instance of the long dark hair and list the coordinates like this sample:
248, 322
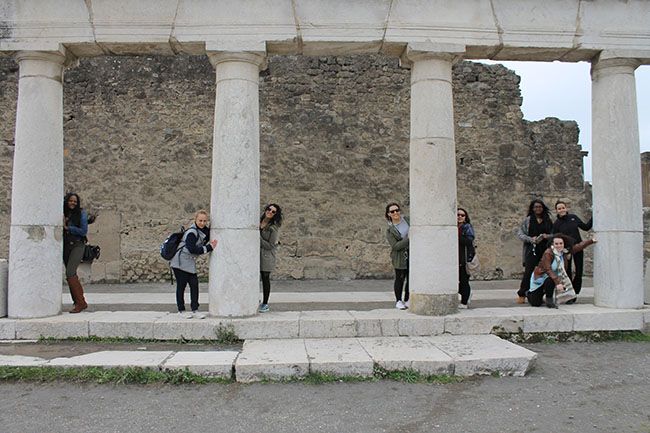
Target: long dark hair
546, 214
467, 221
277, 218
73, 215
569, 242
388, 207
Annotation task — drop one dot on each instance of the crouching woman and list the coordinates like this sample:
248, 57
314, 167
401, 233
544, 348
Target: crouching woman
550, 274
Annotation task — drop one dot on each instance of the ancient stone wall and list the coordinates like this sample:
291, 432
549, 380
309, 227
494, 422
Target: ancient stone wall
334, 151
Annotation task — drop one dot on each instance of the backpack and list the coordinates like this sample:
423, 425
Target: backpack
169, 247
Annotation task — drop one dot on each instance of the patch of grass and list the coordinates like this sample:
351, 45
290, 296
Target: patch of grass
128, 375
226, 334
412, 376
125, 340
577, 336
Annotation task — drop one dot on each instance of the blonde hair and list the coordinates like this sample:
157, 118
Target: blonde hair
201, 212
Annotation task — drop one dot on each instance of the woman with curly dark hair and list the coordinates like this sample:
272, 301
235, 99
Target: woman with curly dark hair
465, 254
75, 229
533, 232
270, 223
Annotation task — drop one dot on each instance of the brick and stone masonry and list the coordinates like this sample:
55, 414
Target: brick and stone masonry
334, 150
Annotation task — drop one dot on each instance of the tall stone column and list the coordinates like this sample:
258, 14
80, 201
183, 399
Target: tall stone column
235, 196
433, 251
618, 216
35, 242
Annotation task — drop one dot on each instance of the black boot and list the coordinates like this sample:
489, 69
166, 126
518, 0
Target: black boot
550, 303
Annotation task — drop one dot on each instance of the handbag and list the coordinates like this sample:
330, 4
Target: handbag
563, 296
473, 266
91, 252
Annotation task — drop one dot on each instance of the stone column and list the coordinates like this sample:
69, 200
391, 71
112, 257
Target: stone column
618, 216
235, 197
35, 242
433, 251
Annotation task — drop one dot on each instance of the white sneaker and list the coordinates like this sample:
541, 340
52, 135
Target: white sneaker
198, 315
400, 305
463, 306
407, 304
184, 315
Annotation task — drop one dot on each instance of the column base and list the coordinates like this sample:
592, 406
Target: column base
433, 304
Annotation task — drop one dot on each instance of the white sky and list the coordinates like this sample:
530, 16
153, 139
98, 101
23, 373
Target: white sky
563, 90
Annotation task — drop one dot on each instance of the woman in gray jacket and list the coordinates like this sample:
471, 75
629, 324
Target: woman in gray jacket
270, 223
397, 235
195, 241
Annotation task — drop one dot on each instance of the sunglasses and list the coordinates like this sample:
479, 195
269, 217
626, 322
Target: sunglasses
461, 214
273, 211
393, 211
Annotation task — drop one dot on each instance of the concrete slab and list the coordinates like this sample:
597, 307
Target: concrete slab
592, 318
213, 363
7, 329
271, 359
114, 358
172, 326
484, 321
327, 324
285, 324
124, 324
21, 361
485, 354
377, 323
402, 353
65, 325
339, 356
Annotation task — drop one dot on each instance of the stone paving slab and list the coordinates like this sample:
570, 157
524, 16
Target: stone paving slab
21, 361
485, 354
114, 358
327, 324
214, 363
339, 356
402, 353
271, 359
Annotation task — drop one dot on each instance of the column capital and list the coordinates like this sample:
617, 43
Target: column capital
243, 51
613, 62
44, 63
417, 51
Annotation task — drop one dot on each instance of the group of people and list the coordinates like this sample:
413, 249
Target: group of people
195, 242
549, 251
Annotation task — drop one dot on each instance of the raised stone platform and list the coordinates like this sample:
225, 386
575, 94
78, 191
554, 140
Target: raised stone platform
278, 359
327, 324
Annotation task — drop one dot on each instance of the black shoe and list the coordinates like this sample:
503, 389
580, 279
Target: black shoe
551, 304
571, 301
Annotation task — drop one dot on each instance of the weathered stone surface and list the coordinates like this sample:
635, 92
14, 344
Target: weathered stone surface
62, 326
400, 353
591, 318
284, 324
377, 323
124, 324
339, 356
484, 321
219, 364
114, 358
271, 359
7, 329
327, 324
173, 327
331, 129
542, 319
21, 361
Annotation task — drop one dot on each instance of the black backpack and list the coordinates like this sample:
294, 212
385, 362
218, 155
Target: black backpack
169, 247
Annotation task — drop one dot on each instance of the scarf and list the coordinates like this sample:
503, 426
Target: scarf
561, 272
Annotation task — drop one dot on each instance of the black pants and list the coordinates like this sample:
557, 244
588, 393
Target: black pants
401, 276
463, 284
535, 298
183, 279
532, 260
266, 286
579, 259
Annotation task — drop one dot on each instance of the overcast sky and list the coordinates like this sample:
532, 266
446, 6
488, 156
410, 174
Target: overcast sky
563, 90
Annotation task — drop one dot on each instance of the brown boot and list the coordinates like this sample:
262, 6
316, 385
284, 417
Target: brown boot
77, 292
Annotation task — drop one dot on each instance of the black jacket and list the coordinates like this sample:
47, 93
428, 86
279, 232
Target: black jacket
569, 225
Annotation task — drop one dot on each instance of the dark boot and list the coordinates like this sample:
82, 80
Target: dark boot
77, 293
550, 303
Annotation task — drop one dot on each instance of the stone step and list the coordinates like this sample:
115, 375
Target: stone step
278, 359
327, 324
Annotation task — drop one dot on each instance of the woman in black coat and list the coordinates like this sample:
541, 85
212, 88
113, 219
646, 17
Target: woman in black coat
569, 224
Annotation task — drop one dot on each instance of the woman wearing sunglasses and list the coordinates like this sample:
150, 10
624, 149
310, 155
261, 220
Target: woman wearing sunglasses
465, 254
270, 223
397, 235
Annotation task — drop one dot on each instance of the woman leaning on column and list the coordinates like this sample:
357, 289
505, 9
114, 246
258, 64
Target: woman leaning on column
397, 235
75, 229
270, 223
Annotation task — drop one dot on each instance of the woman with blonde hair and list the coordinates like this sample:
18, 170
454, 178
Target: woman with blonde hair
195, 241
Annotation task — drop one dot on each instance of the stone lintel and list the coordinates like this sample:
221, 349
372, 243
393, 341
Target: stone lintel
427, 304
416, 51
